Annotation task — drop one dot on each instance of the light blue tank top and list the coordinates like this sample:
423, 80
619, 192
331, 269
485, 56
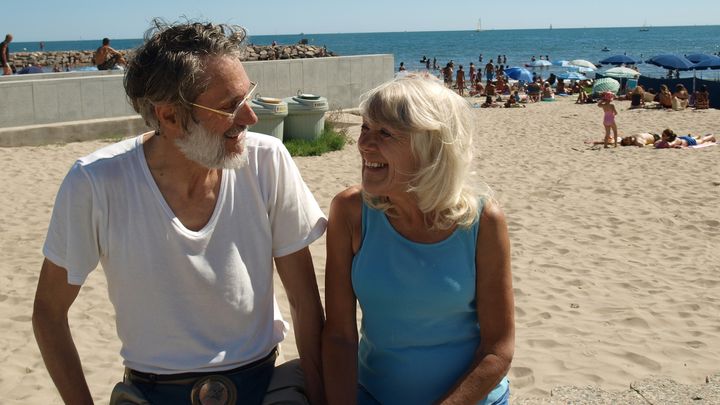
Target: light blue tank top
419, 327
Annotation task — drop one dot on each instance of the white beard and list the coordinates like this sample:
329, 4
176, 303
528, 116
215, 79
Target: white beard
208, 148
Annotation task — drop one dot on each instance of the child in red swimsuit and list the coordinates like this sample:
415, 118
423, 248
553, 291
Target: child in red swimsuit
609, 117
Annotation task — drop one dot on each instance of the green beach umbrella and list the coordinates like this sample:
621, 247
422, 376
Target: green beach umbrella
606, 84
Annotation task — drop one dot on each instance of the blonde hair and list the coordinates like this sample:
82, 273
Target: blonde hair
440, 125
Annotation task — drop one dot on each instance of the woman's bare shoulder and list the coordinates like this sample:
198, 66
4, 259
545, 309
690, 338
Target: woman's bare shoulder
347, 202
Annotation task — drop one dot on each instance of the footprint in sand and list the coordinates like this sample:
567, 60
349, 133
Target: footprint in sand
521, 377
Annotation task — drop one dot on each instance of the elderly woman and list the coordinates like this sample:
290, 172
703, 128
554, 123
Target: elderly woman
425, 257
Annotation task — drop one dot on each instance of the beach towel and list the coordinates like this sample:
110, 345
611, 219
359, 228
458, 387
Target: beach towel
702, 145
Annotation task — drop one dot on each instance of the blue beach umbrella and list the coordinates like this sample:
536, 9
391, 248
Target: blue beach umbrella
698, 57
712, 62
670, 61
572, 76
619, 60
519, 73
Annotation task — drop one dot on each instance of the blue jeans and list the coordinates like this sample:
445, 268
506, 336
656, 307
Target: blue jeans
251, 384
503, 400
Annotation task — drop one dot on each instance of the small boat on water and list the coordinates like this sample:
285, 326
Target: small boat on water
605, 49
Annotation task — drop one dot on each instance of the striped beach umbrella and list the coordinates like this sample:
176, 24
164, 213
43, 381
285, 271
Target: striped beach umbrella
606, 84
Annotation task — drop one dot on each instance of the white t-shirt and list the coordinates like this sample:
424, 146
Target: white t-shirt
185, 301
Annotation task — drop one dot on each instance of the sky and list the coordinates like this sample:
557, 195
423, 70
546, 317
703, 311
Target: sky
64, 20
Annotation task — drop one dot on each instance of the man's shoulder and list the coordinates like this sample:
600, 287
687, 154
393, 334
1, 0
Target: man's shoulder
254, 140
111, 154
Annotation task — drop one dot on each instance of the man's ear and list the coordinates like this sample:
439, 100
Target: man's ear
168, 117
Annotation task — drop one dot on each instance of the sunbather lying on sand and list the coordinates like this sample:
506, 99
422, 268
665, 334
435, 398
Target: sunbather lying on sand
641, 139
670, 140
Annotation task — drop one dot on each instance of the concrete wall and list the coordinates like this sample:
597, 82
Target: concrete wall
52, 104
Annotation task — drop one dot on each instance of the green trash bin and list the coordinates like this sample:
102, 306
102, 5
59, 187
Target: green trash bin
271, 113
306, 116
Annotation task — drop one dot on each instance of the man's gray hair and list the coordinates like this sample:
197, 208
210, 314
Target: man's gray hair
169, 67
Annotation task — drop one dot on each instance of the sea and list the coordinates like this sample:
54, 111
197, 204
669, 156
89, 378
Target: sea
518, 47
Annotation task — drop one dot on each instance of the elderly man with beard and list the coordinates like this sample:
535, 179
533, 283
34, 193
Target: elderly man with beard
186, 222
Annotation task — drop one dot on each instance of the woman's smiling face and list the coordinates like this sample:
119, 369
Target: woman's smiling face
387, 158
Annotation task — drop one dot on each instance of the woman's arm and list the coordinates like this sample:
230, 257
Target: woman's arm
340, 335
495, 309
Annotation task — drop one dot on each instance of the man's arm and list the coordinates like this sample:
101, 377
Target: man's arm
53, 299
298, 277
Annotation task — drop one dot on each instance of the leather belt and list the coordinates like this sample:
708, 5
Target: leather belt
189, 378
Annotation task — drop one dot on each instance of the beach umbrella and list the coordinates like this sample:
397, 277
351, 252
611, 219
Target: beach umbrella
698, 57
712, 62
519, 73
622, 72
580, 69
572, 76
539, 63
583, 63
606, 84
561, 62
619, 60
670, 61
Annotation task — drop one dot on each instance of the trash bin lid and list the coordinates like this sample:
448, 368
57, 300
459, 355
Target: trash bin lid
308, 96
298, 103
261, 107
269, 100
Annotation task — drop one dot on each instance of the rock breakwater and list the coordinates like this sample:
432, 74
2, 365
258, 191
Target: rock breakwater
70, 59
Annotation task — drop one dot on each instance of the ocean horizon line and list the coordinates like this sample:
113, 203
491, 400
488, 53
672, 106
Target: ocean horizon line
303, 34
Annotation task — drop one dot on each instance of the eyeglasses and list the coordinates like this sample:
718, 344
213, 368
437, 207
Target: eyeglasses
231, 116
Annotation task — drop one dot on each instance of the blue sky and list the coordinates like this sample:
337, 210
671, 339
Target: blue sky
57, 20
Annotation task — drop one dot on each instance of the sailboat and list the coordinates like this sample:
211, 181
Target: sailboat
479, 25
644, 27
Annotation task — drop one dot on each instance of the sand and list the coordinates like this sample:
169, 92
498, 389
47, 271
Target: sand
616, 253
